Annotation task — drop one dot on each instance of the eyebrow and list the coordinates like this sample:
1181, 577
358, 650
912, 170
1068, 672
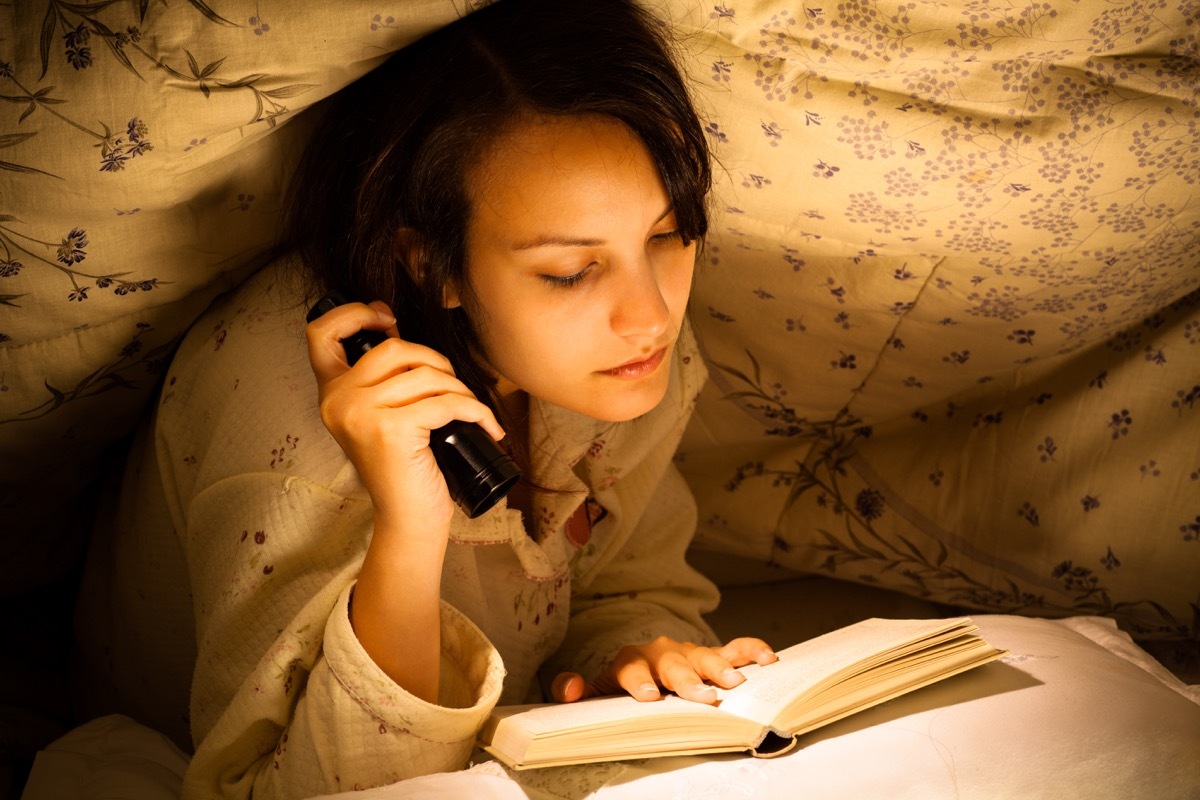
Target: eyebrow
551, 240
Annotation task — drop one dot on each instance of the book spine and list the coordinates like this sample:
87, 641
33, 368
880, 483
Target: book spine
773, 744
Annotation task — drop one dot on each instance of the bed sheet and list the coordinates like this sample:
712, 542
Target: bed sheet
1075, 710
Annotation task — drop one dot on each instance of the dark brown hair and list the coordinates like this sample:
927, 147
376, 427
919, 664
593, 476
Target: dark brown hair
395, 148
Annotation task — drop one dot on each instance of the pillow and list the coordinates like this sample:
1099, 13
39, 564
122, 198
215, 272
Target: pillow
1061, 715
950, 301
110, 756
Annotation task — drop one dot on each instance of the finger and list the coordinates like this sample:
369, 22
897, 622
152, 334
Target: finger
386, 317
747, 650
358, 415
568, 687
324, 335
422, 372
344, 320
400, 373
712, 666
676, 673
393, 356
633, 676
396, 355
407, 385
450, 407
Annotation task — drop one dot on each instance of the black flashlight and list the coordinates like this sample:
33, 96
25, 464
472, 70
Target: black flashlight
477, 470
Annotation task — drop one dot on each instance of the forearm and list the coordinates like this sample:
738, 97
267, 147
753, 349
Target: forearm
395, 607
380, 409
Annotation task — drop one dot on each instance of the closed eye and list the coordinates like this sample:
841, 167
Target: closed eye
566, 281
669, 236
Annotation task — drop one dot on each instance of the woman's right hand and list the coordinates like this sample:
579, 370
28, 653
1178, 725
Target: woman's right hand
382, 409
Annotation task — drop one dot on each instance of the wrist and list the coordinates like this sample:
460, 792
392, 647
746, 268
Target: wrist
407, 540
413, 510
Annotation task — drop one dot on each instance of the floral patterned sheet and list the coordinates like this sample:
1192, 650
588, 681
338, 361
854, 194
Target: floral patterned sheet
951, 304
950, 300
143, 149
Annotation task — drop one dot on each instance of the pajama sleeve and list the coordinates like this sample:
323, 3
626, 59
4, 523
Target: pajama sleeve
273, 523
285, 701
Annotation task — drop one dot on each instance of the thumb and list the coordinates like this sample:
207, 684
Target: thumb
568, 687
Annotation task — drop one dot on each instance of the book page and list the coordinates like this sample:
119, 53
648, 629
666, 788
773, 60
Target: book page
809, 667
609, 728
892, 680
599, 712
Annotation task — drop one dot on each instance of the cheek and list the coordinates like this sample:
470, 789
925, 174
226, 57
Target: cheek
524, 345
677, 284
495, 334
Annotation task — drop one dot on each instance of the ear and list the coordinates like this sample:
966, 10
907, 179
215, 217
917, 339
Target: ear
408, 248
450, 295
409, 252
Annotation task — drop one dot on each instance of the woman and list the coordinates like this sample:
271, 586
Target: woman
520, 195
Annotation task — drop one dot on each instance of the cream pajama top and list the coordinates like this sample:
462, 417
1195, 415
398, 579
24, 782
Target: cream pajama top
241, 527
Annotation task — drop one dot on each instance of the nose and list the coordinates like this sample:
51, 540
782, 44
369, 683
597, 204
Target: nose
639, 309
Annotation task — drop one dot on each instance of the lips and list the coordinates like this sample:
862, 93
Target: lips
640, 368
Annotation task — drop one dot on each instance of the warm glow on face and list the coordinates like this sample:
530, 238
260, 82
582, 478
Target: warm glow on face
580, 280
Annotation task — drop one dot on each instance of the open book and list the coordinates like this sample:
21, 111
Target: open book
813, 683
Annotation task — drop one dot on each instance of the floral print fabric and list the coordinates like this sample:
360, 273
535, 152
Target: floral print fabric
143, 148
951, 303
950, 295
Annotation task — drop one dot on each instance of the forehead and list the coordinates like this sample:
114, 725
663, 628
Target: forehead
561, 171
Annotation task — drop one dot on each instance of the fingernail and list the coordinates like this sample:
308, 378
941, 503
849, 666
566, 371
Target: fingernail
732, 676
648, 689
704, 691
385, 317
766, 657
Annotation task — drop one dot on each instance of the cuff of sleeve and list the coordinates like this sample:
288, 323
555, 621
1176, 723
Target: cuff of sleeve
472, 675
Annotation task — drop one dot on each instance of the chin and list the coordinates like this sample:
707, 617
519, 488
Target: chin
629, 407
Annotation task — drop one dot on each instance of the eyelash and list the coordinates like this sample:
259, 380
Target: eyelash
567, 281
674, 235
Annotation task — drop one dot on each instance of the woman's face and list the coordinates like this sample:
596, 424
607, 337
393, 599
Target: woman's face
579, 280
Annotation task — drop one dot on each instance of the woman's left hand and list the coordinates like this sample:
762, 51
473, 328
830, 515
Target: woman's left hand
684, 668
